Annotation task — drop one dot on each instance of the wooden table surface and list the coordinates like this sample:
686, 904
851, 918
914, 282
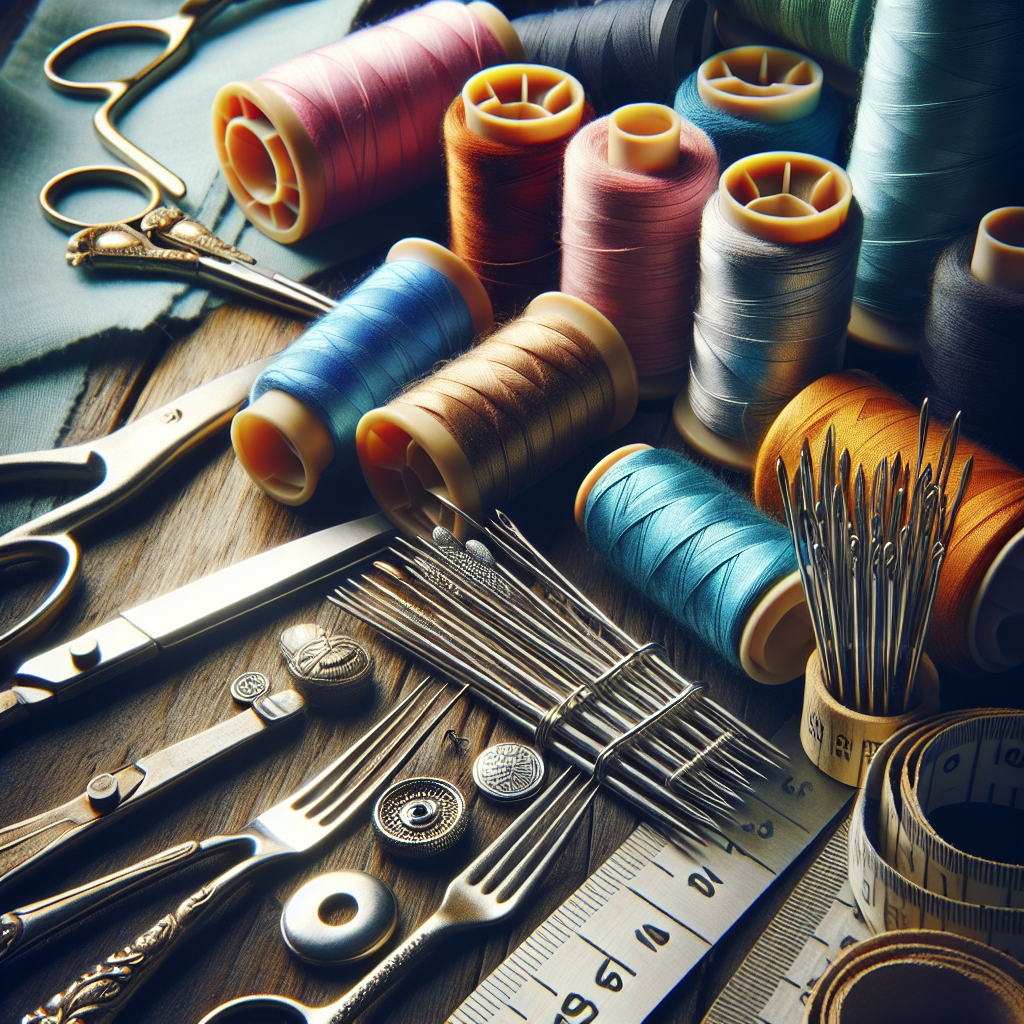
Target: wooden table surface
205, 514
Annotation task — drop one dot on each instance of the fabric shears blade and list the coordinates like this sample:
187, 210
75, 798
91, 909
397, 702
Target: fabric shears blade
170, 242
145, 631
121, 464
30, 843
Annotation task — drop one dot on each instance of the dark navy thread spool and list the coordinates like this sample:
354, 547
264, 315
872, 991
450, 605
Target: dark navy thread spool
423, 305
752, 99
704, 554
623, 51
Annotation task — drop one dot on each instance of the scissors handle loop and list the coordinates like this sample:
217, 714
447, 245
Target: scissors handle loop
266, 1009
61, 549
96, 174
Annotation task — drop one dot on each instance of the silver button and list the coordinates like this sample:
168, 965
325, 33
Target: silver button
420, 817
508, 771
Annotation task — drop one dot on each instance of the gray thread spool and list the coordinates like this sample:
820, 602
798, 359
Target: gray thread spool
770, 320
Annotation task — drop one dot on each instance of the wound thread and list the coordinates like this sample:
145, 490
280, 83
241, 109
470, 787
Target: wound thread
629, 242
874, 422
623, 51
972, 353
351, 125
696, 548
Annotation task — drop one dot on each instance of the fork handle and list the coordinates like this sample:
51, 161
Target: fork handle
100, 993
396, 965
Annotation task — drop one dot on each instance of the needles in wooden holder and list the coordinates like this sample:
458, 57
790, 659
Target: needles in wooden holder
870, 563
534, 647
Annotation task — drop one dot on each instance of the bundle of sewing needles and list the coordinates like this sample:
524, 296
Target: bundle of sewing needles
870, 564
542, 654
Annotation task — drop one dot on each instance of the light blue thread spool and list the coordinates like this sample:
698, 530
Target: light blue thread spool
703, 554
938, 142
752, 99
422, 306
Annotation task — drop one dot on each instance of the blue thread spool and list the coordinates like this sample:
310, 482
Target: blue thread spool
702, 553
421, 306
752, 99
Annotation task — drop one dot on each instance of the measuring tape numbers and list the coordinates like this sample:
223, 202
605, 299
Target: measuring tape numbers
648, 916
888, 868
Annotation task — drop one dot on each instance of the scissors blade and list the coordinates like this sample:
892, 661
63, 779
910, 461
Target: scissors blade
28, 844
264, 285
145, 631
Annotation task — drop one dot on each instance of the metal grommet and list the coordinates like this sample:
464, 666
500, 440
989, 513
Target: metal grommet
250, 686
311, 939
508, 771
96, 174
331, 670
420, 817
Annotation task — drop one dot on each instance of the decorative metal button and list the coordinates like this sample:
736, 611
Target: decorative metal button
311, 939
331, 670
420, 817
250, 686
508, 771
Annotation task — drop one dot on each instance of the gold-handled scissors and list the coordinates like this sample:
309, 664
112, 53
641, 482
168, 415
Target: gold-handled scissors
121, 93
121, 464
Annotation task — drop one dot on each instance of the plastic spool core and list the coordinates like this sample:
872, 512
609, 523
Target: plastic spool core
408, 458
999, 248
781, 197
283, 445
995, 626
270, 163
644, 137
761, 83
523, 104
777, 638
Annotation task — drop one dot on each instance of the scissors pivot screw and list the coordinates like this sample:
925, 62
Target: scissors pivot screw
250, 686
85, 651
103, 792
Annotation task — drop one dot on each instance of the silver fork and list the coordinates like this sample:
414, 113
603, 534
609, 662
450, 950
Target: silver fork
295, 825
493, 887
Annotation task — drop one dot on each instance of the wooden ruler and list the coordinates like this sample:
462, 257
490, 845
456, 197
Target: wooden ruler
648, 916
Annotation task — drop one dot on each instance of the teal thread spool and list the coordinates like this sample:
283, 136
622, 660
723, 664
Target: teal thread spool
703, 554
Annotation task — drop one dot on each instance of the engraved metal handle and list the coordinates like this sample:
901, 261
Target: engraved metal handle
101, 992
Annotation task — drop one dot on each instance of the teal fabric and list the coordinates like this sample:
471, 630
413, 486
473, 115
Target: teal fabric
47, 307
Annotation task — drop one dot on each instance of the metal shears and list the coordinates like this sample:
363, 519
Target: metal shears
169, 241
120, 465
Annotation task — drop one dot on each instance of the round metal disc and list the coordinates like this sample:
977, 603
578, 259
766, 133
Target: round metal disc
508, 771
330, 670
420, 817
311, 939
250, 686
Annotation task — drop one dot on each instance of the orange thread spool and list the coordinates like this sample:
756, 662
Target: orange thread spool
505, 177
874, 422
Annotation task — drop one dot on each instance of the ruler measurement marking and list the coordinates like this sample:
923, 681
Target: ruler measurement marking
543, 985
663, 868
515, 1011
613, 959
682, 924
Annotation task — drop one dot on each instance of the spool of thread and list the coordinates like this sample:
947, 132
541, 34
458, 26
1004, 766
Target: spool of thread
635, 184
356, 123
910, 975
499, 417
756, 98
504, 141
972, 355
978, 618
623, 51
423, 305
703, 554
778, 252
842, 741
829, 30
938, 141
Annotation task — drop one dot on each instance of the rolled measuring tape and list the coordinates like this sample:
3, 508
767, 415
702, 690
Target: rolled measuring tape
903, 873
918, 976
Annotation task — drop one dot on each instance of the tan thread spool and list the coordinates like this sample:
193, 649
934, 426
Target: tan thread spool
776, 640
408, 455
780, 197
901, 977
841, 741
282, 444
269, 159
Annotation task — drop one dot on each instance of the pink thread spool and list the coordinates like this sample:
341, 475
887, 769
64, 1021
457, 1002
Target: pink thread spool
635, 184
356, 123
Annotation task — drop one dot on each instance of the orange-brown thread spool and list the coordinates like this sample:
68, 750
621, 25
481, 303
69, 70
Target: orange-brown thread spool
500, 417
978, 618
504, 141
